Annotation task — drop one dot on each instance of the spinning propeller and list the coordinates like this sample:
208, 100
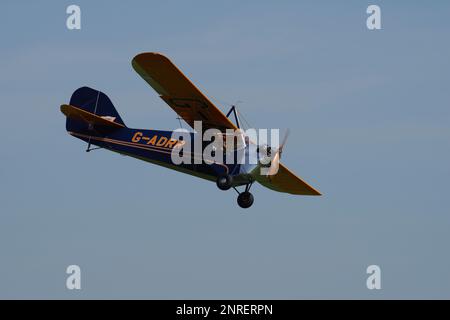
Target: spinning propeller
275, 162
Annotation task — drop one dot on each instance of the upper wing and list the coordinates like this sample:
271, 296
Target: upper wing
179, 92
286, 181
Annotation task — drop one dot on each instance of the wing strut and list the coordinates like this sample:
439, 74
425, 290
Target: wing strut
233, 110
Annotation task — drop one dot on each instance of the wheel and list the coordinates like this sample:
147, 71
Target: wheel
245, 200
224, 182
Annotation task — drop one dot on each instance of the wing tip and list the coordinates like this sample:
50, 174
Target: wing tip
314, 192
150, 55
317, 193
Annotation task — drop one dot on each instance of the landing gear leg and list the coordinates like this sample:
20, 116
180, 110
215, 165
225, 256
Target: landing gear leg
245, 199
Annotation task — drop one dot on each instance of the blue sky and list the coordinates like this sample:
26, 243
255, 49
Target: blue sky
369, 118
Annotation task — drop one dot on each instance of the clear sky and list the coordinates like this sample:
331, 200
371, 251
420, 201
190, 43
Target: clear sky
369, 116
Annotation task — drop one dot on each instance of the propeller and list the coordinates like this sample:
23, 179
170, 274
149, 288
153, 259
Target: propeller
277, 156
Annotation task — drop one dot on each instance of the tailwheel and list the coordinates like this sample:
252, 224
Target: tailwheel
245, 199
224, 182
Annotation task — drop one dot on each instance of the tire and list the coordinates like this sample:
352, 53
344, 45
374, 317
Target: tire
245, 200
224, 182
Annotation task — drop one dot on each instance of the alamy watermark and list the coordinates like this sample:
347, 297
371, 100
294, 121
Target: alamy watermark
73, 21
373, 22
374, 279
73, 281
213, 146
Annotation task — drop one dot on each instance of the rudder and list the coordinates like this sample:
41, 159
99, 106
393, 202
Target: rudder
93, 102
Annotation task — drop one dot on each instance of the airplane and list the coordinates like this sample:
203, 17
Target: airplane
91, 117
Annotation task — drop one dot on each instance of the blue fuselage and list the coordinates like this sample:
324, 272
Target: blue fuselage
156, 146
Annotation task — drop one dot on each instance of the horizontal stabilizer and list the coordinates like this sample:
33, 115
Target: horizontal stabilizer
91, 119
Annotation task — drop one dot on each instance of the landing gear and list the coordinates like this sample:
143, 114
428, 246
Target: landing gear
245, 199
224, 182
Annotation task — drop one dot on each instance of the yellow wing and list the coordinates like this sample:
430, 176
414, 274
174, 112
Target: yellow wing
286, 181
179, 92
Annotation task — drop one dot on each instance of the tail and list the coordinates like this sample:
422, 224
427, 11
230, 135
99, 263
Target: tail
91, 110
